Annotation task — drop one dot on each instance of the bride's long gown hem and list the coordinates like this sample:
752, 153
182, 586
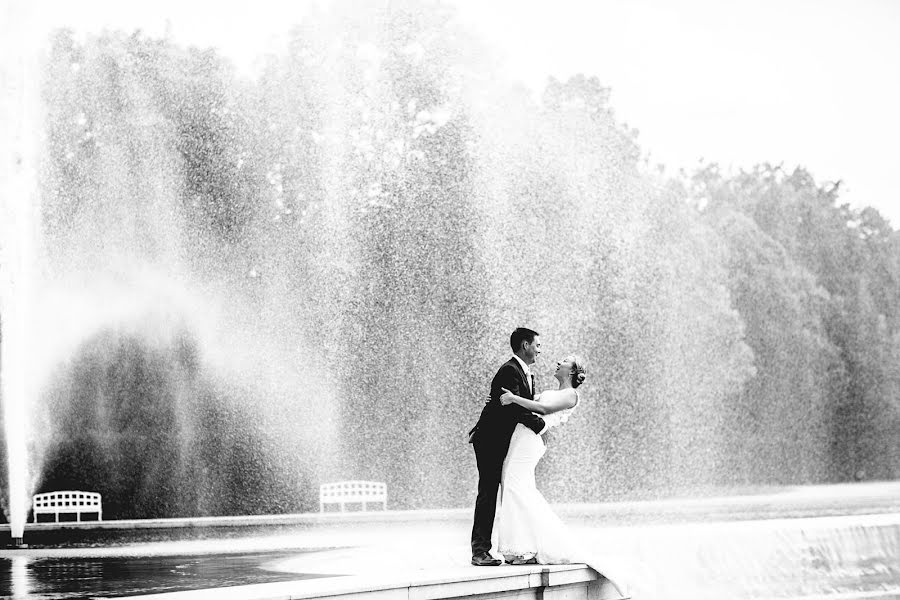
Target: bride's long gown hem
525, 523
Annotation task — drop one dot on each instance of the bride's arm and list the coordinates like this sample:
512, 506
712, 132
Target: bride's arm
556, 403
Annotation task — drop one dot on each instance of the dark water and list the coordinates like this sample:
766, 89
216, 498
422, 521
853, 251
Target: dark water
101, 577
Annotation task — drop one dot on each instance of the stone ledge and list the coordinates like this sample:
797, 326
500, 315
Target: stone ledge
532, 582
330, 518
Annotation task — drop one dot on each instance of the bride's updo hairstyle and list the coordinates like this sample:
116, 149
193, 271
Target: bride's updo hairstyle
578, 375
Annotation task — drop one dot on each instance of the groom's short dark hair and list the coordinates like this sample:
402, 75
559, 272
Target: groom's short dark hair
521, 334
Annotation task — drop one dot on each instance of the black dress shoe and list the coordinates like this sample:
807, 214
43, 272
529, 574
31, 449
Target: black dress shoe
483, 559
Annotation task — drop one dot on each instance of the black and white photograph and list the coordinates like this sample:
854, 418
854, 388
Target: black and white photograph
450, 299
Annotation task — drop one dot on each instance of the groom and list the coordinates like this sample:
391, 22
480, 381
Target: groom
490, 436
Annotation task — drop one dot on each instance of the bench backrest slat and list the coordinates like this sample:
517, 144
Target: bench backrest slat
342, 492
67, 502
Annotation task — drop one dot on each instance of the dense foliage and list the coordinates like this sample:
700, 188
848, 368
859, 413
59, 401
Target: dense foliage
381, 200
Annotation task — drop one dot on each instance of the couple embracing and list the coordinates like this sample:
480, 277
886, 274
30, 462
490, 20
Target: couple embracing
508, 445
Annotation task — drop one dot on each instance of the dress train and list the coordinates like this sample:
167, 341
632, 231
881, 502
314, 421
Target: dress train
526, 524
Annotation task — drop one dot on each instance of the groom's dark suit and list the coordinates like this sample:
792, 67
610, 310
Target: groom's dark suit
490, 438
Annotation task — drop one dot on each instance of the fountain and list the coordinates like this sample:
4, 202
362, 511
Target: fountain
221, 290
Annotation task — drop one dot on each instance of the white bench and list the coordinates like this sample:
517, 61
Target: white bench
352, 492
67, 502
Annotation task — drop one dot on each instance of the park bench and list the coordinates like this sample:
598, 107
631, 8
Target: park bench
352, 492
67, 502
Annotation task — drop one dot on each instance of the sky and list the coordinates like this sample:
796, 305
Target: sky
737, 82
810, 83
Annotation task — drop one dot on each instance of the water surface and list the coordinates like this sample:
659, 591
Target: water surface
52, 578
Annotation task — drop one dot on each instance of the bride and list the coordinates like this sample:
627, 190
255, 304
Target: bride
528, 530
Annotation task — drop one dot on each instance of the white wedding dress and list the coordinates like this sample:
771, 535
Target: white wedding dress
526, 525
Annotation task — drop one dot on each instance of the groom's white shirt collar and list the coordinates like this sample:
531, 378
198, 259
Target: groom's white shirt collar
522, 363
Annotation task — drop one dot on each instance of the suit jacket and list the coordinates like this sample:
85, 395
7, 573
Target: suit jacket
497, 422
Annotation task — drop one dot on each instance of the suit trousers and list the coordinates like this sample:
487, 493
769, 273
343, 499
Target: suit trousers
489, 458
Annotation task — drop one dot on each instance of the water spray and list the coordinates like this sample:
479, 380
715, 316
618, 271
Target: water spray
19, 119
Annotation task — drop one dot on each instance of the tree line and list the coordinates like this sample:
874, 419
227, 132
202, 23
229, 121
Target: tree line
382, 195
